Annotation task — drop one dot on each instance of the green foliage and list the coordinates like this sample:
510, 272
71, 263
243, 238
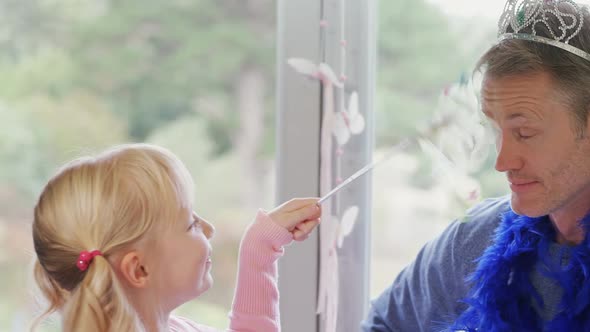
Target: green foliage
421, 53
39, 133
188, 139
153, 59
20, 152
47, 71
79, 75
417, 58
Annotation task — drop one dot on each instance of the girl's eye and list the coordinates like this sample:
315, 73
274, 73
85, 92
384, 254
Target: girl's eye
195, 224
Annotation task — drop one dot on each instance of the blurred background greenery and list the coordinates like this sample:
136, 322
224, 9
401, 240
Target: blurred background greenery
198, 77
425, 47
80, 75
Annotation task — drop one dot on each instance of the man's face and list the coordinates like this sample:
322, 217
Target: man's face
546, 163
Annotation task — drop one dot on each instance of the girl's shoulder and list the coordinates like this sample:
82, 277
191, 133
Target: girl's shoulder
181, 324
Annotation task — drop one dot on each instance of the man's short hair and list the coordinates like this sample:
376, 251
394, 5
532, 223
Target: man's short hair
570, 73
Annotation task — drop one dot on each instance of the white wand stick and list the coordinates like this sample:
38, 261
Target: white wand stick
404, 144
394, 149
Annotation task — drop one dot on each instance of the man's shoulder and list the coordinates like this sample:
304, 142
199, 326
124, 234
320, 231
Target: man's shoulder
463, 241
473, 234
484, 217
430, 289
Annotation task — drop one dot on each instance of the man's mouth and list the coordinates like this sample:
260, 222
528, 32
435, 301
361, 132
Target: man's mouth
521, 185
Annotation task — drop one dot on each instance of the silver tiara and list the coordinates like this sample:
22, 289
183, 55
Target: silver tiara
522, 14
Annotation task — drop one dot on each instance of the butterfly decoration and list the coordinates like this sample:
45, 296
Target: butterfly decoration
346, 225
322, 72
339, 126
462, 146
450, 176
349, 121
337, 231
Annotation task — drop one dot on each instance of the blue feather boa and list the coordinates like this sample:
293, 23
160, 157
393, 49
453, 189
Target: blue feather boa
502, 295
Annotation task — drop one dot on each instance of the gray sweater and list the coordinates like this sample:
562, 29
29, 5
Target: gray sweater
426, 296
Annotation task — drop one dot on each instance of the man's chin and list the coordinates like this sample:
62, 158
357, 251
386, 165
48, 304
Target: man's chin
530, 209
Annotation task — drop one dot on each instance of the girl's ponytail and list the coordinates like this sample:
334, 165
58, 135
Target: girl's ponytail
99, 303
54, 295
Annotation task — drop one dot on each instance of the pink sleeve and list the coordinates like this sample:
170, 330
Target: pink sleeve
256, 300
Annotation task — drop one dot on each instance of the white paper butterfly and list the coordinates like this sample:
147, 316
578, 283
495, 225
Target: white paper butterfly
447, 173
348, 122
467, 138
346, 225
322, 71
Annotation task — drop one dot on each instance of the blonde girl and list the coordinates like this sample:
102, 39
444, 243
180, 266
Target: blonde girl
119, 246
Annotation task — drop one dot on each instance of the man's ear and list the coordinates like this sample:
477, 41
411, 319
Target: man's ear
132, 269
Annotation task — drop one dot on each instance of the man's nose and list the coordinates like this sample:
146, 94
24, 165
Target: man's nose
508, 158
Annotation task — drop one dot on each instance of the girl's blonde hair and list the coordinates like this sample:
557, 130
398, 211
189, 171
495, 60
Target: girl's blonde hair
107, 202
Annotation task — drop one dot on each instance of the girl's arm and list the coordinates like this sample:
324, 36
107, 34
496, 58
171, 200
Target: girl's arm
256, 301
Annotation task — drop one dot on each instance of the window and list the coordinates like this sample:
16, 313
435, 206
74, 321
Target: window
423, 48
340, 34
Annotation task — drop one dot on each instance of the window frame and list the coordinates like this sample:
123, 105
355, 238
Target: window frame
299, 114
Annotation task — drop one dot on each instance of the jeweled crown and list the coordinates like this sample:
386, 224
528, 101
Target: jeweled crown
525, 17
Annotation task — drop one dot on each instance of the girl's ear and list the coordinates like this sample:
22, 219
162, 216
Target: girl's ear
133, 270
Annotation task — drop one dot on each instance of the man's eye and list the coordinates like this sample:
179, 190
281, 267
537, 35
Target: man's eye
523, 134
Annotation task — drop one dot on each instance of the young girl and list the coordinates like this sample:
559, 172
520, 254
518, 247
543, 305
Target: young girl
119, 246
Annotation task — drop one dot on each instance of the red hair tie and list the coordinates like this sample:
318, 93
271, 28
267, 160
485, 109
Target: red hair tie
86, 258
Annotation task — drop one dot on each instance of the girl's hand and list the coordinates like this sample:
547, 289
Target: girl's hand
299, 216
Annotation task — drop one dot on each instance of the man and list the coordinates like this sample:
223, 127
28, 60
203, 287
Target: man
527, 257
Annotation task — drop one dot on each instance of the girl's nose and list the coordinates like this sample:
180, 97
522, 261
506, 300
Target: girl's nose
208, 229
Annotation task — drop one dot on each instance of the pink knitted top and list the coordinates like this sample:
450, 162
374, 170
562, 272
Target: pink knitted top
256, 301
